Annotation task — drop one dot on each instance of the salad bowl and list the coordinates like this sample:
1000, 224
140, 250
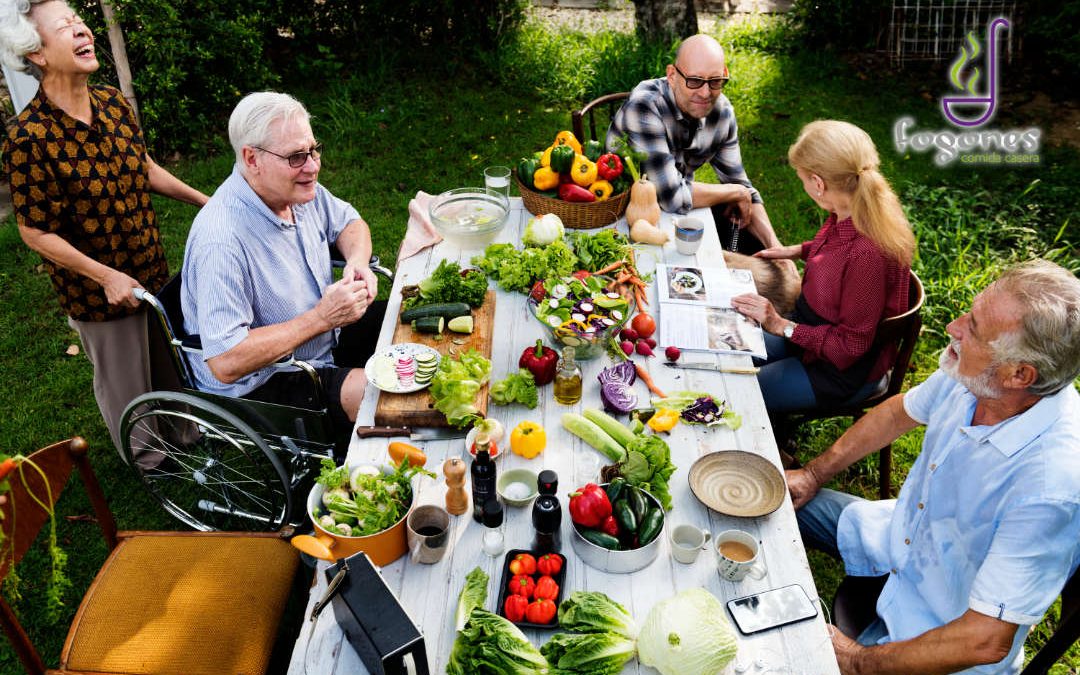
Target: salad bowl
580, 313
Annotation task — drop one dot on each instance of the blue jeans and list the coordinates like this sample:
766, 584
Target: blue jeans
784, 383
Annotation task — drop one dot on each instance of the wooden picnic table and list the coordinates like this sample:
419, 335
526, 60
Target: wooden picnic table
429, 592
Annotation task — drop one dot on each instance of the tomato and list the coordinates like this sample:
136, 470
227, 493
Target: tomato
582, 275
514, 607
644, 325
538, 292
549, 564
522, 584
546, 589
541, 611
523, 563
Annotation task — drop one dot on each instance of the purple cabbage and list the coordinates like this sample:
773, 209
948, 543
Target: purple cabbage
618, 397
621, 373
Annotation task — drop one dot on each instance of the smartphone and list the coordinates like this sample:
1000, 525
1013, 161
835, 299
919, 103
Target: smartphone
770, 609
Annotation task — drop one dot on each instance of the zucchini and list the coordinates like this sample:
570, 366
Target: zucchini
601, 539
594, 436
429, 324
611, 426
650, 526
447, 310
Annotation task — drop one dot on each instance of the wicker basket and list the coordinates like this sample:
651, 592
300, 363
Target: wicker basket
575, 215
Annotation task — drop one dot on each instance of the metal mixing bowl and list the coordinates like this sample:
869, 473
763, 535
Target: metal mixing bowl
620, 562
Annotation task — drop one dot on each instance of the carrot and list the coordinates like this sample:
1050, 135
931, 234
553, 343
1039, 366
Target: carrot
644, 376
609, 268
640, 297
622, 278
637, 282
7, 466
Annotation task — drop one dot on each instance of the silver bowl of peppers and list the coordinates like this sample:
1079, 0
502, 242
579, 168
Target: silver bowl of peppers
617, 527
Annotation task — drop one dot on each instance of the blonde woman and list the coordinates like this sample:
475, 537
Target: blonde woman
856, 274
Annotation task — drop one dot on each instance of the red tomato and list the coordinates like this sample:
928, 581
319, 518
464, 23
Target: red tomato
644, 325
515, 606
541, 611
549, 564
546, 589
523, 563
523, 584
582, 275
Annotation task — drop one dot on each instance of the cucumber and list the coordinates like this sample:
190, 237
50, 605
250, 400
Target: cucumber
639, 503
615, 488
601, 539
611, 426
429, 324
461, 324
447, 310
594, 436
628, 522
650, 526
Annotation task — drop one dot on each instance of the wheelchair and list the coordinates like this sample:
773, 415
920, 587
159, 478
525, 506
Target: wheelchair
216, 462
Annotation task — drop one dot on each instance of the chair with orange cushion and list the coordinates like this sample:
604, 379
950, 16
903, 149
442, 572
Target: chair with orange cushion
184, 603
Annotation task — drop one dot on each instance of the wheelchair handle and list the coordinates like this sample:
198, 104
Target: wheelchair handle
139, 293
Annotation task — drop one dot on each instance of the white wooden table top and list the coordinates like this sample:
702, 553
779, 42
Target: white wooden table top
429, 592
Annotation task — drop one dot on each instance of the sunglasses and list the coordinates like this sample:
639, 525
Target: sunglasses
297, 159
715, 83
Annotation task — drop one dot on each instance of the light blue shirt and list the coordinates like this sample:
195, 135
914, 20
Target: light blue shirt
986, 520
245, 268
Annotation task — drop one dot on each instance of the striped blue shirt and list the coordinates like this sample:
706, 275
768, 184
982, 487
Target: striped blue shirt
245, 268
678, 145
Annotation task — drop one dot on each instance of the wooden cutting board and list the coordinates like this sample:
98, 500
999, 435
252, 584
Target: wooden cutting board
417, 409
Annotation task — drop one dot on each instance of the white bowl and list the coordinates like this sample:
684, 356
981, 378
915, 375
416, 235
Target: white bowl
469, 217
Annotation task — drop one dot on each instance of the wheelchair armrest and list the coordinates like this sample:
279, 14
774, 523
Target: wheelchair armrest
191, 343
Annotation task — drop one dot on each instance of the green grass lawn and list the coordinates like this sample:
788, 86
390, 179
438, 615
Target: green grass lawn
396, 130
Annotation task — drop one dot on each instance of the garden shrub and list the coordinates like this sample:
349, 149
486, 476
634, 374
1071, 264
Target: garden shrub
848, 25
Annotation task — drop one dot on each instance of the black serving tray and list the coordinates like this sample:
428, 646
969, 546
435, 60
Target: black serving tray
504, 587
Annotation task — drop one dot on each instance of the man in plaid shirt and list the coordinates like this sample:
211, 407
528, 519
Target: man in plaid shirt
682, 121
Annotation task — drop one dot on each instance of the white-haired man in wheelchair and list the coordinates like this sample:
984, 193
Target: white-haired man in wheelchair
257, 276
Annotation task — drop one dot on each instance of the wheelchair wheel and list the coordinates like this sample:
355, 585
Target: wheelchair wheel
205, 465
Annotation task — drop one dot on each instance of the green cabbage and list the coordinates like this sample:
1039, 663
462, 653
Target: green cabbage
590, 654
687, 634
543, 230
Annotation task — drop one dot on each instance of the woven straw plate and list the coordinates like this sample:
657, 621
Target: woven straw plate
737, 483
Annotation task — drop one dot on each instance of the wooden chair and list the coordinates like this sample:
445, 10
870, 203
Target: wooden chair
903, 330
854, 608
608, 102
184, 603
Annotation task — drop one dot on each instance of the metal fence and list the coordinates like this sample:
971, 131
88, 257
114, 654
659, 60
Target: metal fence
934, 30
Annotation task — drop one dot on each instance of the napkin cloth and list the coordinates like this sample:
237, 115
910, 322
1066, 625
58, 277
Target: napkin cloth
420, 233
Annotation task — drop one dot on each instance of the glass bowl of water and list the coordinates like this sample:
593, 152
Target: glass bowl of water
469, 217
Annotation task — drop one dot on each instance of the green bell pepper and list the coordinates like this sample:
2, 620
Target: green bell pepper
526, 167
562, 158
592, 150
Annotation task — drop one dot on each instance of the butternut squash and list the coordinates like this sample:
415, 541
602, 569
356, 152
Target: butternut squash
644, 232
643, 204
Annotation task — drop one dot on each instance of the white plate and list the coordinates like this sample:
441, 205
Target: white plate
381, 372
686, 282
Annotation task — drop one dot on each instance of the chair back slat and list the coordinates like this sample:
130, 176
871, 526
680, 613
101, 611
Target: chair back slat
903, 330
611, 102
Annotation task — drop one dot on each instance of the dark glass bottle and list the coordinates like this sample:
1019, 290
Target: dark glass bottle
547, 514
482, 473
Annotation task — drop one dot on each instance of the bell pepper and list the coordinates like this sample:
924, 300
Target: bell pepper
589, 506
545, 179
583, 171
609, 166
541, 361
665, 419
522, 584
549, 564
541, 611
568, 139
546, 589
526, 167
575, 193
528, 439
593, 150
545, 156
610, 526
562, 158
602, 189
515, 607
523, 563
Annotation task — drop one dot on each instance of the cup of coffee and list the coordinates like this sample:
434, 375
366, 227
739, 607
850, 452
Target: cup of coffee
428, 531
737, 556
688, 234
686, 542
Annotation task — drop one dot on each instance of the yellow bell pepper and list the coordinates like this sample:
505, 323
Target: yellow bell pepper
528, 439
583, 172
568, 138
545, 159
665, 419
545, 178
602, 189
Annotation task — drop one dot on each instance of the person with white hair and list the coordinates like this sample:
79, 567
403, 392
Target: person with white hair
81, 180
257, 282
986, 530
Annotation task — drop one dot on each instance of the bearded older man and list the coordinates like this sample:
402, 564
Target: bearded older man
257, 282
986, 530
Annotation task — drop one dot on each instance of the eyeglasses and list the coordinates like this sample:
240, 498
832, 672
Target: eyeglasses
715, 83
297, 159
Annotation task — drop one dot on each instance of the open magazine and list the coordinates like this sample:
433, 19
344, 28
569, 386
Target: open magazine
696, 312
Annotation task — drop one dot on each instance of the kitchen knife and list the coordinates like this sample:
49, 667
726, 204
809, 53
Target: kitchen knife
430, 434
712, 366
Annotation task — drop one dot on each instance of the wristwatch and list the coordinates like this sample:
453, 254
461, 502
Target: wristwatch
789, 329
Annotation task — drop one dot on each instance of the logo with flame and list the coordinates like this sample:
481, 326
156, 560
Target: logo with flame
973, 100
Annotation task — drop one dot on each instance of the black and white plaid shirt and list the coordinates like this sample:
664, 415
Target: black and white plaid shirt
677, 144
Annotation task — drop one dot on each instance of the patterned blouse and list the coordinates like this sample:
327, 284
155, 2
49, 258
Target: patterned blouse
90, 185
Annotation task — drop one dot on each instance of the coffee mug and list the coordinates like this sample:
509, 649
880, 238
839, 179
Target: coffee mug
688, 234
686, 542
428, 531
737, 556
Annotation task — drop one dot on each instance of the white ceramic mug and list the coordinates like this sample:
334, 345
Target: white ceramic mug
428, 532
687, 541
737, 555
689, 232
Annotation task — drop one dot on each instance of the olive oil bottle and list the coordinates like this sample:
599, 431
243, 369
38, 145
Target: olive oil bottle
568, 379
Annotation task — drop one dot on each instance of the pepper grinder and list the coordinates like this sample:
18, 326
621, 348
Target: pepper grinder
457, 500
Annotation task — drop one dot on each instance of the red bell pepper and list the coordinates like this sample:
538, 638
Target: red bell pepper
589, 506
515, 607
541, 611
523, 584
575, 193
549, 564
546, 589
541, 361
610, 526
523, 563
609, 166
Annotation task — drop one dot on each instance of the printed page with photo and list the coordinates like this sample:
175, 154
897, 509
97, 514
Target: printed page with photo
696, 312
